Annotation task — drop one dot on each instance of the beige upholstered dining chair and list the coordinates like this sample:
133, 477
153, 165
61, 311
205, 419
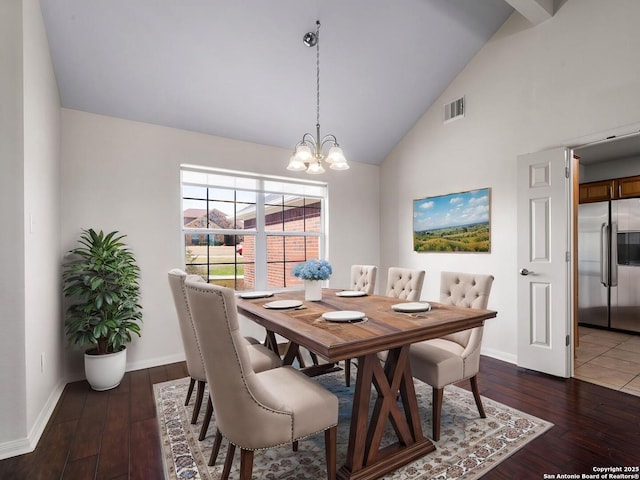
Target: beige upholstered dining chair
255, 410
363, 279
455, 357
405, 283
261, 357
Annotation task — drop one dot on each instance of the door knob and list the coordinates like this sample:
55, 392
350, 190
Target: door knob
524, 272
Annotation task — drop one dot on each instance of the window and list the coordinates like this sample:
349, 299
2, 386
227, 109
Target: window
247, 231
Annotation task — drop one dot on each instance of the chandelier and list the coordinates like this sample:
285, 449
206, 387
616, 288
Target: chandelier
308, 153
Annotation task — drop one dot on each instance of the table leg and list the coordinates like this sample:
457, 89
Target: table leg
270, 341
293, 352
365, 458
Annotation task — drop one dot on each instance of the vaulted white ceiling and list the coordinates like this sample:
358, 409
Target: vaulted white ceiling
239, 69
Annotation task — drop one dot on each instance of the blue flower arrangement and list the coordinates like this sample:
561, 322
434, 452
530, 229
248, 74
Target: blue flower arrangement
313, 270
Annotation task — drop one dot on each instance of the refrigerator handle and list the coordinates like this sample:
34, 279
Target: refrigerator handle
604, 255
613, 247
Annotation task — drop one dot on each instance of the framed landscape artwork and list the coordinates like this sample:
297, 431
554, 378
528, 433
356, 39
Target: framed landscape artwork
457, 222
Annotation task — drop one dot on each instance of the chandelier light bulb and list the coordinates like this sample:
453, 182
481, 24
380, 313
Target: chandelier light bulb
303, 153
296, 165
335, 155
315, 168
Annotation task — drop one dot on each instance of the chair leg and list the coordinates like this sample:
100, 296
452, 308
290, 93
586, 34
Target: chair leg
192, 382
196, 407
246, 464
294, 446
216, 448
347, 372
330, 436
228, 462
207, 420
476, 396
436, 411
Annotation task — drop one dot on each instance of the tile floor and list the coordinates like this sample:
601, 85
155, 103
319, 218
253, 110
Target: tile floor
610, 359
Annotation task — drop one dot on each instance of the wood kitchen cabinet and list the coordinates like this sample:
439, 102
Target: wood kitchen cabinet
596, 191
627, 187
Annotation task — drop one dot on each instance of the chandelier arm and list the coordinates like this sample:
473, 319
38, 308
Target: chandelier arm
308, 138
329, 138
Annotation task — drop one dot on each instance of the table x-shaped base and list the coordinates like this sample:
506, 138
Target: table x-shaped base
393, 382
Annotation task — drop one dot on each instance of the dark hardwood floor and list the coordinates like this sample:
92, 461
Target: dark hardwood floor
114, 435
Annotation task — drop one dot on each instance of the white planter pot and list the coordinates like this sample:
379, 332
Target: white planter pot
105, 372
313, 290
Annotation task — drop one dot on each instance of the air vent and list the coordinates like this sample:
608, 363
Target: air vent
454, 110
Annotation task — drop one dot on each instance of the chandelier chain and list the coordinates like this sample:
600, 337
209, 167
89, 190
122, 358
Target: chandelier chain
318, 72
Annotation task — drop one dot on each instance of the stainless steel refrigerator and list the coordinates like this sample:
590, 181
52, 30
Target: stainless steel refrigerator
609, 264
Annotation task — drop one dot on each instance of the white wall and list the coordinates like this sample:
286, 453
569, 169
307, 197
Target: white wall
12, 368
528, 89
124, 175
626, 167
43, 324
29, 172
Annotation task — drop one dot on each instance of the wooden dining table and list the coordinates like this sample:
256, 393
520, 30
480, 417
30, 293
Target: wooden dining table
382, 330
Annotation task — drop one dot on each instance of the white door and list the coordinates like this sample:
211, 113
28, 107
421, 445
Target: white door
544, 266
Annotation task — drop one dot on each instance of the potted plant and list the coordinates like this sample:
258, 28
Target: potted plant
101, 279
312, 272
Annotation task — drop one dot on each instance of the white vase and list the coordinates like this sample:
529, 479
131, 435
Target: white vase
105, 372
312, 290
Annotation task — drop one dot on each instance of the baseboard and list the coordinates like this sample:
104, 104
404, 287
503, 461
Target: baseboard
500, 355
29, 444
155, 362
15, 448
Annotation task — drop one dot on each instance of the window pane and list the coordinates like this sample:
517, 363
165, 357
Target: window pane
292, 214
189, 191
246, 216
273, 209
228, 263
275, 249
291, 248
295, 248
312, 215
221, 215
221, 194
194, 213
196, 254
246, 197
275, 276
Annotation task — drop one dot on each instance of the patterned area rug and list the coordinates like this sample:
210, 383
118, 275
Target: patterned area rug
469, 446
